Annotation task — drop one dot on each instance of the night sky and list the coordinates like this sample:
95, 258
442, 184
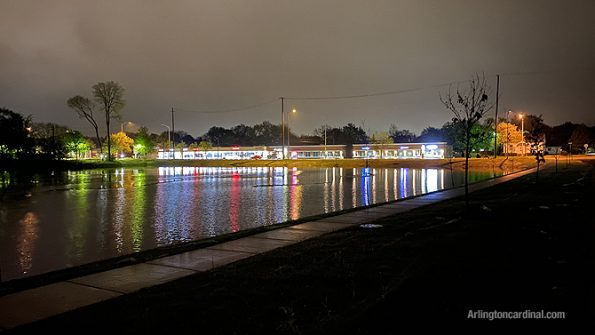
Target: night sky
208, 58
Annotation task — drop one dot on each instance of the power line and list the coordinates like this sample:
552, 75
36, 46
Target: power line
359, 96
560, 71
221, 111
354, 96
374, 94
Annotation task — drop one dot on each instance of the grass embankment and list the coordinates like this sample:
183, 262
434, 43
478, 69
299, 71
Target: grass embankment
521, 245
510, 164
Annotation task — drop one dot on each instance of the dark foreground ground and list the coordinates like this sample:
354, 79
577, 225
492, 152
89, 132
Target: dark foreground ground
521, 246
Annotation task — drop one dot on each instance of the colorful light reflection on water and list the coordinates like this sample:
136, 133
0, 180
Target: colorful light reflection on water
85, 216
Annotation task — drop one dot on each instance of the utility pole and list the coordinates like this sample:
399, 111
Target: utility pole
282, 128
496, 116
168, 139
173, 130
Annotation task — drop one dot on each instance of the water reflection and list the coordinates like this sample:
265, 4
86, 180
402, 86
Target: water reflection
84, 216
28, 235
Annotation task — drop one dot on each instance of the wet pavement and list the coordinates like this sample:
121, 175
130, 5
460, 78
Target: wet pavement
42, 302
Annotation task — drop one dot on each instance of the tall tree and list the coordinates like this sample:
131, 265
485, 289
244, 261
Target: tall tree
431, 134
14, 133
354, 134
110, 97
468, 106
560, 134
219, 136
580, 136
267, 133
508, 134
85, 109
381, 137
143, 143
75, 143
121, 143
244, 135
401, 136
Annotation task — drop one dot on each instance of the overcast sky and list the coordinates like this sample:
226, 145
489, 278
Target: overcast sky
218, 55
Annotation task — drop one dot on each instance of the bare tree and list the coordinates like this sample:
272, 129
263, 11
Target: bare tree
85, 108
110, 97
468, 106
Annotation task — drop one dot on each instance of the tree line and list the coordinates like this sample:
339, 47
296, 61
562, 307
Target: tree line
468, 133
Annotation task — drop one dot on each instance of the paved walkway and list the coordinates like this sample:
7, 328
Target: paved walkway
46, 301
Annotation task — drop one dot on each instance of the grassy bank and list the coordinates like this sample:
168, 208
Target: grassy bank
512, 163
521, 246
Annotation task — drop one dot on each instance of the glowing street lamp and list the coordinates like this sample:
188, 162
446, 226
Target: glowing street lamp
522, 117
293, 111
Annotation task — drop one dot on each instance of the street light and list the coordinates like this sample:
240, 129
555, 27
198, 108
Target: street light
293, 110
168, 138
522, 117
507, 136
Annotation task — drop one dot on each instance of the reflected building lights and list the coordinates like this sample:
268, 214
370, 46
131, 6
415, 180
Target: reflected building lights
372, 185
333, 190
235, 203
326, 191
386, 190
432, 175
395, 184
129, 210
404, 180
295, 195
365, 186
414, 181
354, 189
341, 193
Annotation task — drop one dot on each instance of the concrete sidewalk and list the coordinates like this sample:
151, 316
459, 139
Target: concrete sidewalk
42, 302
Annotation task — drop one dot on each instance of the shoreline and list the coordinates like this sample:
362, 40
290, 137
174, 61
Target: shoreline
502, 163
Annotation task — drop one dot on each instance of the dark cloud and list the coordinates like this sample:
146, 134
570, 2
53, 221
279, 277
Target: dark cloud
219, 55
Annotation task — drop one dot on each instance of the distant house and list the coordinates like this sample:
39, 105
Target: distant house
553, 150
519, 149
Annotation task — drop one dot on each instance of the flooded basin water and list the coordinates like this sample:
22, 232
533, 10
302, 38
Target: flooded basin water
78, 217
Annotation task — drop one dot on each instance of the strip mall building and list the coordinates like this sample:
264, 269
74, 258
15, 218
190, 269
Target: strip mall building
363, 151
